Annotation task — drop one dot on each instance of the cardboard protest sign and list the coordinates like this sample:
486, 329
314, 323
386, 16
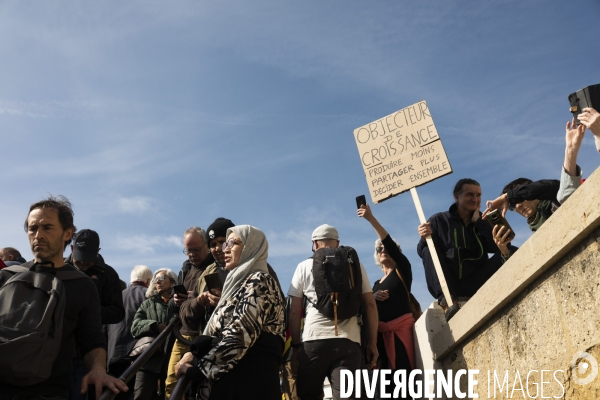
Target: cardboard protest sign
401, 151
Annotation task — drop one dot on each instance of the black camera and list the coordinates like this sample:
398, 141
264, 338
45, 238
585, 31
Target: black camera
586, 97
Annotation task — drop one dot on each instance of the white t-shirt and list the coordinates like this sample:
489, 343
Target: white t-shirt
316, 325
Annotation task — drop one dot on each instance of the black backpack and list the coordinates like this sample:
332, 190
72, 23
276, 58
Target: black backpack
32, 307
338, 283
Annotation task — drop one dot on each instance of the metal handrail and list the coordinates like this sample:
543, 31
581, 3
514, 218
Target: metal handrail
182, 384
139, 362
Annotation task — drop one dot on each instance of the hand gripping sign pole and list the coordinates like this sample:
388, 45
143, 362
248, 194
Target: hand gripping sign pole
400, 152
434, 255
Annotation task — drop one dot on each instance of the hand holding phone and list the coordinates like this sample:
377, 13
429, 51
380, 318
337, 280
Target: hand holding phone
180, 289
361, 200
495, 218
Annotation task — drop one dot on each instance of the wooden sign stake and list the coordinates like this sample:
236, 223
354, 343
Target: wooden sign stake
434, 255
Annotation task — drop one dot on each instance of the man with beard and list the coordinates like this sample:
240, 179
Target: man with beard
50, 227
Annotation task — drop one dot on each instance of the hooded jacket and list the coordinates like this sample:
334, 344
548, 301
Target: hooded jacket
461, 248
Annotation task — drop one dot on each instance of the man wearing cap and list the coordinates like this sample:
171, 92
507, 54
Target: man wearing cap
85, 256
319, 352
196, 310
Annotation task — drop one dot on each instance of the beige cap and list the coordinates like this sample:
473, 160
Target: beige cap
325, 232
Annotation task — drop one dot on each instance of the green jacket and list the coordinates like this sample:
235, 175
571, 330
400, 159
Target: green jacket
152, 311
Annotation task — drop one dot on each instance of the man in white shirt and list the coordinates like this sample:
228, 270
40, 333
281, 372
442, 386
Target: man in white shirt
320, 353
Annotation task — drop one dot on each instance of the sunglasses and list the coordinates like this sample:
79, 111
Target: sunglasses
160, 278
379, 249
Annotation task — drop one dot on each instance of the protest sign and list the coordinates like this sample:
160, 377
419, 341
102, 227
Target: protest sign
401, 151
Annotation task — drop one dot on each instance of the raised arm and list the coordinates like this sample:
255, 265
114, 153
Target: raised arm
365, 212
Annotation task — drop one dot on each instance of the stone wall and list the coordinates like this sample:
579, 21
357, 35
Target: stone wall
542, 329
534, 314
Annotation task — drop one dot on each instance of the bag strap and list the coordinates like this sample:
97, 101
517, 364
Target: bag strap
405, 287
64, 275
15, 269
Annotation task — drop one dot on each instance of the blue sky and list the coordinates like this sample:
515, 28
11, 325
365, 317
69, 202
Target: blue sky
154, 116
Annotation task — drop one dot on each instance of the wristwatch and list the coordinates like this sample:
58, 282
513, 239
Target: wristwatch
296, 346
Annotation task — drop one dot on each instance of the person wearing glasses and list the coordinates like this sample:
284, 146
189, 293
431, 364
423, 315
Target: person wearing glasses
150, 320
394, 334
199, 259
248, 324
196, 311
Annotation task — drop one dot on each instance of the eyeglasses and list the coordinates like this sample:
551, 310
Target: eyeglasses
230, 243
160, 278
192, 250
379, 249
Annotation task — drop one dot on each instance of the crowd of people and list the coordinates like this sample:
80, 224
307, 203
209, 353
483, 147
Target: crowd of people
69, 327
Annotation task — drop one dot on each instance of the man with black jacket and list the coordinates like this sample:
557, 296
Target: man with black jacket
50, 227
85, 257
462, 241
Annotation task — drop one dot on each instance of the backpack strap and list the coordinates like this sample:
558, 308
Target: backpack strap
64, 275
16, 268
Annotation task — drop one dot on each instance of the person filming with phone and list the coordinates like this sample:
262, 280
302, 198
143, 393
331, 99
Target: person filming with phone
537, 201
395, 342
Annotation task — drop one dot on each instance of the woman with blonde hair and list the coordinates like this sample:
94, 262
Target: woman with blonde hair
248, 324
394, 338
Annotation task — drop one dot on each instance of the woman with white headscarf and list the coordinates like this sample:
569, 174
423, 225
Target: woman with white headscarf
248, 323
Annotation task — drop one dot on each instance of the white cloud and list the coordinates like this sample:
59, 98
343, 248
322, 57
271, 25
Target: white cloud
147, 243
136, 205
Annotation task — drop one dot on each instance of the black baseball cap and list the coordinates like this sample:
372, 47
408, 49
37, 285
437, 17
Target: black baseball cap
86, 244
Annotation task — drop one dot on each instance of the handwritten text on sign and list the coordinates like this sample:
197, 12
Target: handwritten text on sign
401, 151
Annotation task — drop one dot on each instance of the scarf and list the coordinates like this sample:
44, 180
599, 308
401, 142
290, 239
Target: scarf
253, 259
403, 328
542, 212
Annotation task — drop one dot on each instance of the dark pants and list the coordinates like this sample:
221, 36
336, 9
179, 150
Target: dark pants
465, 287
116, 370
325, 358
79, 372
146, 385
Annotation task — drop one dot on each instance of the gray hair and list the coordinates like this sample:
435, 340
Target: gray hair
141, 273
151, 289
376, 255
196, 229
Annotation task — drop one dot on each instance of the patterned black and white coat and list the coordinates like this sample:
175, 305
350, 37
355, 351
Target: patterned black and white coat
257, 306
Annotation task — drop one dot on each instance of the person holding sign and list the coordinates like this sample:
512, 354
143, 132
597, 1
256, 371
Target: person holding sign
462, 241
394, 334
